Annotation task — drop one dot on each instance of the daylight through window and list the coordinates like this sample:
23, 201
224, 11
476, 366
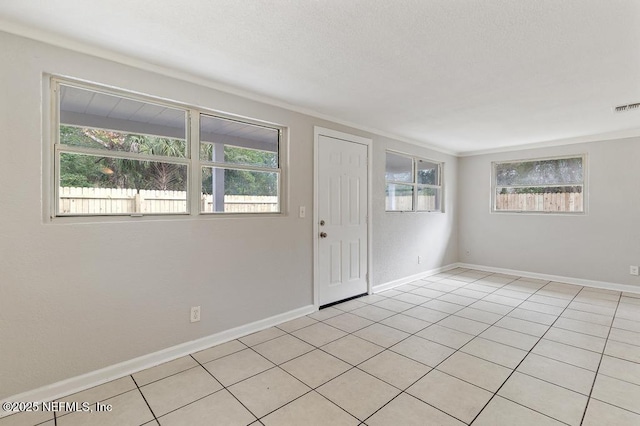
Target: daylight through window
117, 154
412, 184
239, 166
553, 185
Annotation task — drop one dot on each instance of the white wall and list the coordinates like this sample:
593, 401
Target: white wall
599, 245
79, 297
400, 237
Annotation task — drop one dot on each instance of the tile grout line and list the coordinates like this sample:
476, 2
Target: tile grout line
595, 377
549, 326
450, 355
388, 348
355, 367
622, 359
272, 368
352, 366
164, 377
208, 372
311, 389
601, 354
365, 360
403, 391
354, 331
558, 316
395, 313
514, 370
281, 369
221, 384
145, 400
455, 350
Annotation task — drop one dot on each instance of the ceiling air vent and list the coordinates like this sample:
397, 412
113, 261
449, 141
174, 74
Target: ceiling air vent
625, 108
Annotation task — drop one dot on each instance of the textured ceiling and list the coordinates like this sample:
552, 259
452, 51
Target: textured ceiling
462, 75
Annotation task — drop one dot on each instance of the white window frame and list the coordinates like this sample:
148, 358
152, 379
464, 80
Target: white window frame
236, 166
495, 186
415, 184
194, 165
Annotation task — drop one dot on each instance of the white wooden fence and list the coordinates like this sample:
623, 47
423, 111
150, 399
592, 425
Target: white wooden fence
129, 201
243, 203
560, 202
405, 203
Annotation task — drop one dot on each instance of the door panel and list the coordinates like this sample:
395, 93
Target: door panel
354, 261
335, 264
342, 205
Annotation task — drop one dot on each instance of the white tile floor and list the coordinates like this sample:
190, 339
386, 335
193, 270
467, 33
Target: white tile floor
462, 347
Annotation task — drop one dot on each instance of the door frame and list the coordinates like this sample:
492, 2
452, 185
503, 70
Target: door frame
321, 131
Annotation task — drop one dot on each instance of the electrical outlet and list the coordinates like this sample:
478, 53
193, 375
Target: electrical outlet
633, 270
303, 212
195, 313
419, 260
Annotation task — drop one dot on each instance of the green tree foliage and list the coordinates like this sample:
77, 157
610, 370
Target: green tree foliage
81, 170
565, 173
428, 176
243, 182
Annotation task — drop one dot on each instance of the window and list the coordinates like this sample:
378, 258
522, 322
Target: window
240, 170
552, 185
413, 184
121, 154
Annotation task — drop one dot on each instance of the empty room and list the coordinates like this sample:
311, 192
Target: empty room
320, 212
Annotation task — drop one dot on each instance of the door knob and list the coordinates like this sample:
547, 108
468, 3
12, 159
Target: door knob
322, 223
323, 235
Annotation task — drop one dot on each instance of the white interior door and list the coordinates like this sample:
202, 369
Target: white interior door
342, 219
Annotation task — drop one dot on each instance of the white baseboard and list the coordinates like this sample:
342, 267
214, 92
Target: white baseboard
569, 280
406, 280
107, 374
